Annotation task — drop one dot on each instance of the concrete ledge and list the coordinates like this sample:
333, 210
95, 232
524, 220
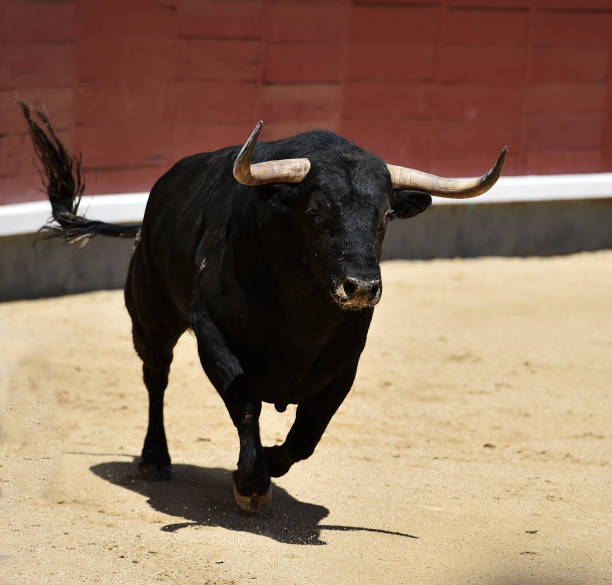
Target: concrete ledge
31, 265
34, 266
542, 228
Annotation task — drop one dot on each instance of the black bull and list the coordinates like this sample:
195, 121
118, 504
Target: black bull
275, 267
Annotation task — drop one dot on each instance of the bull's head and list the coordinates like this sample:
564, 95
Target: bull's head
348, 204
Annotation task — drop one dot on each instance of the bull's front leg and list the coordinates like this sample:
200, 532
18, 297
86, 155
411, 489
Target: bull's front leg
251, 479
311, 420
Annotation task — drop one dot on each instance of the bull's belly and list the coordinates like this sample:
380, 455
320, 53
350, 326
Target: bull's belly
284, 383
282, 390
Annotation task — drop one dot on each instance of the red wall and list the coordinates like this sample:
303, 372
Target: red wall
439, 85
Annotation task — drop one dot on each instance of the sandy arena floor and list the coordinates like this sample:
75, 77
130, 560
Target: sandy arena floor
474, 448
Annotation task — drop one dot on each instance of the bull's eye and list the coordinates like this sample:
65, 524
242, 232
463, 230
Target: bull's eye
312, 212
388, 215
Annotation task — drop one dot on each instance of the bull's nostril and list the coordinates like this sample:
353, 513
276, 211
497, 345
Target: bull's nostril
349, 288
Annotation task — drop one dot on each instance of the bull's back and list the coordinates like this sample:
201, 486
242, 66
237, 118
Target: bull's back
181, 205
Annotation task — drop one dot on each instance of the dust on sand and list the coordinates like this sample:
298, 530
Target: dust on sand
475, 446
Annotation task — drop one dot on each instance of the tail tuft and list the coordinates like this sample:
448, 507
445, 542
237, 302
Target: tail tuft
62, 180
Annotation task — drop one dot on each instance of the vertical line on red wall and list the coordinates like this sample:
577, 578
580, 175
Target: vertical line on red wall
606, 143
344, 50
78, 65
263, 51
522, 155
170, 101
75, 77
437, 85
344, 40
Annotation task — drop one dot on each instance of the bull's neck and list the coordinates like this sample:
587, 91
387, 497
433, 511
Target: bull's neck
277, 260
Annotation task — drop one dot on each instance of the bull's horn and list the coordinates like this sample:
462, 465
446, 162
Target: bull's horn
405, 178
289, 170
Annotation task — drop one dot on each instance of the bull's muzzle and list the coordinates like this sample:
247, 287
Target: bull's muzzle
358, 293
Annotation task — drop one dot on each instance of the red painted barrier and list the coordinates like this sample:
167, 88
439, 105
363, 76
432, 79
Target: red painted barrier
440, 85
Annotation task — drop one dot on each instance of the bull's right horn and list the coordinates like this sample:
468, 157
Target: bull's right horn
289, 170
405, 178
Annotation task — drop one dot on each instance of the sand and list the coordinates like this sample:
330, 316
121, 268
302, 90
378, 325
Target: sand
475, 446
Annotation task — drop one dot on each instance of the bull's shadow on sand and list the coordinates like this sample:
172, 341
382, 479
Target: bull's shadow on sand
202, 496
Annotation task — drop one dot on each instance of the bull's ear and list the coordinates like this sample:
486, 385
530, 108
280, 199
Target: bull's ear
406, 203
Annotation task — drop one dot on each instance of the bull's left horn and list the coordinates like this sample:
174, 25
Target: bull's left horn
289, 170
405, 178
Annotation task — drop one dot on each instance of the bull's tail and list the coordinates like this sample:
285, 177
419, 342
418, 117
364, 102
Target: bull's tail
61, 176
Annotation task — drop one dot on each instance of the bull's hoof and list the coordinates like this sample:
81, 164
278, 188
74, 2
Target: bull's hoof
255, 502
155, 472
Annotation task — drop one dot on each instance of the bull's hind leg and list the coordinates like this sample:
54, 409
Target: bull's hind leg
155, 459
155, 331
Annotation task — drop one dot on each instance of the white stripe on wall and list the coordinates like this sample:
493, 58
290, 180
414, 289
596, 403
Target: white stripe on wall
24, 218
